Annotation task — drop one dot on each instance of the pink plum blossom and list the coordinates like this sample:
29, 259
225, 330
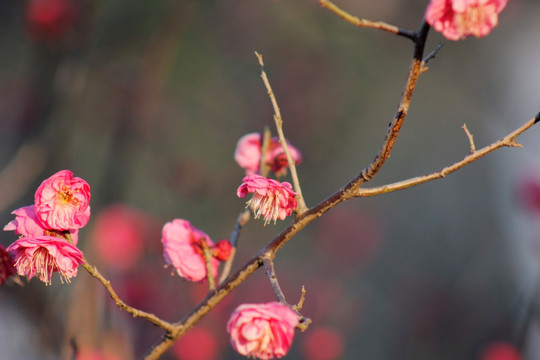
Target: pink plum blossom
263, 331
7, 269
182, 248
63, 202
271, 199
456, 19
248, 154
45, 255
27, 224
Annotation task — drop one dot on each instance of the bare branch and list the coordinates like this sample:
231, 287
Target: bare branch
471, 140
208, 263
279, 126
507, 141
302, 299
366, 23
121, 304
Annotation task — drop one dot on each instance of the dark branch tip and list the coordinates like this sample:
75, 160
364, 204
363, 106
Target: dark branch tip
537, 118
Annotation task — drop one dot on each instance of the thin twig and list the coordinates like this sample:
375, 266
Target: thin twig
279, 126
346, 192
432, 54
243, 218
271, 274
470, 137
366, 23
300, 304
264, 169
507, 141
208, 263
304, 322
121, 304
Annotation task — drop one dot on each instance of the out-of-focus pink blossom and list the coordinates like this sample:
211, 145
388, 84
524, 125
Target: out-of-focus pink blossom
529, 193
45, 255
222, 250
197, 344
49, 20
27, 224
118, 235
182, 249
456, 19
323, 343
248, 154
500, 350
271, 199
264, 331
7, 269
63, 202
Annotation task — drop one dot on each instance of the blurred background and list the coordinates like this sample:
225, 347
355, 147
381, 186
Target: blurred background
145, 100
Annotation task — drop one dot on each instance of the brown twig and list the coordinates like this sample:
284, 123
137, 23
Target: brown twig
121, 304
300, 304
279, 126
268, 263
243, 218
470, 137
507, 141
366, 23
208, 263
271, 274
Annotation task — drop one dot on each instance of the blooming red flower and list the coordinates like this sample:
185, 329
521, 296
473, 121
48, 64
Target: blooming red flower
63, 202
26, 224
45, 255
271, 199
456, 19
248, 154
264, 331
182, 248
7, 269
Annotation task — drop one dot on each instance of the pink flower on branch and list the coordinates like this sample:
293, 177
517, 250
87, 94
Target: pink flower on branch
271, 199
248, 154
264, 331
45, 255
63, 202
182, 249
27, 224
456, 19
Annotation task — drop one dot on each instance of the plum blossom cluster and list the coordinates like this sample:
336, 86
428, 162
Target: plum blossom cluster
49, 228
183, 249
457, 19
271, 199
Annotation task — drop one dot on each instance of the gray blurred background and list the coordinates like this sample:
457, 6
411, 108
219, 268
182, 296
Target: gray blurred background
145, 100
